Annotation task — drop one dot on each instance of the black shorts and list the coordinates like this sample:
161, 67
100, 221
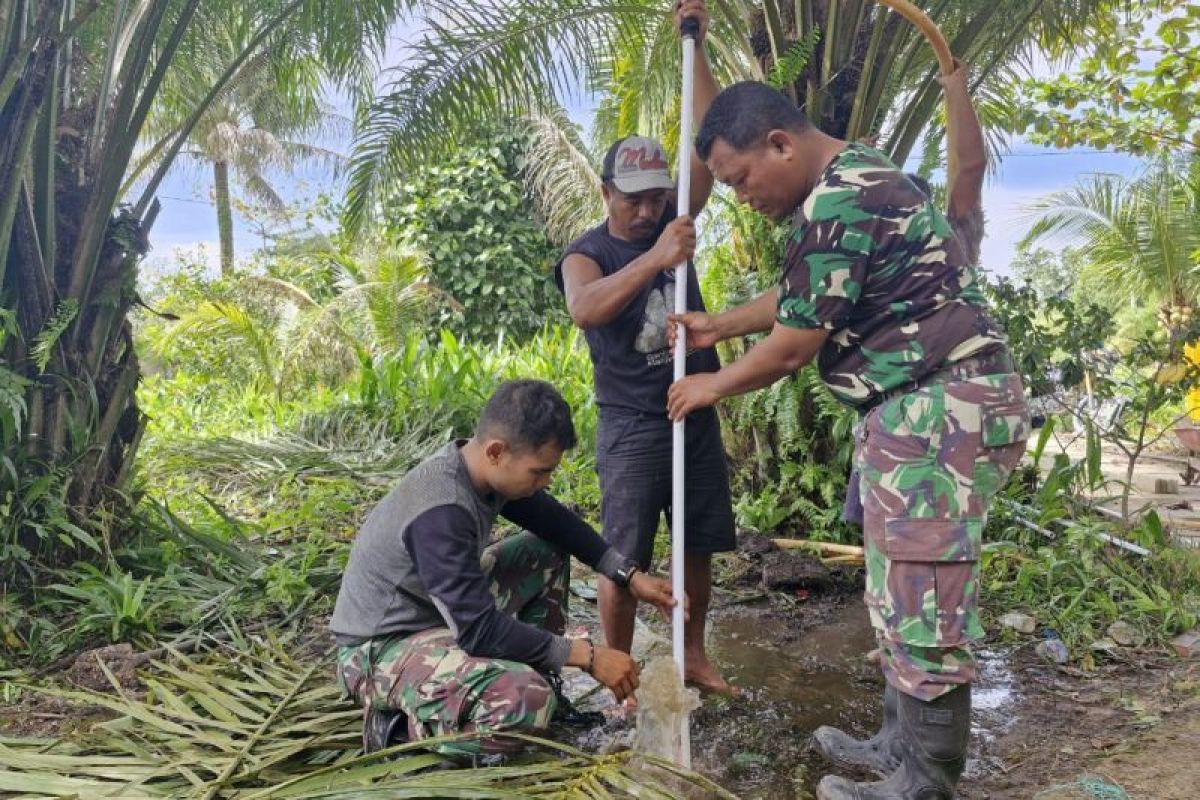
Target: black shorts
633, 458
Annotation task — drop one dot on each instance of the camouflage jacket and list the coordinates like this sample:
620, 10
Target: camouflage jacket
871, 260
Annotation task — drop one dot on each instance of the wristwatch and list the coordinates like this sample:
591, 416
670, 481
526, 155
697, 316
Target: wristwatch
623, 574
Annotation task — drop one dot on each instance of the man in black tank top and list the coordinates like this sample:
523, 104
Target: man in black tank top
618, 279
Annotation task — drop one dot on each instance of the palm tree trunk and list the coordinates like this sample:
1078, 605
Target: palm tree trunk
224, 214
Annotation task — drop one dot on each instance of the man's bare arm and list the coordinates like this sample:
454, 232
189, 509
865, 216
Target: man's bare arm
966, 143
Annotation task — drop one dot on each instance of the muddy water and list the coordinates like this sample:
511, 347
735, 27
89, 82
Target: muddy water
793, 679
757, 746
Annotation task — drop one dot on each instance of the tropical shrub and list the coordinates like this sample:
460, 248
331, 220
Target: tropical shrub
486, 249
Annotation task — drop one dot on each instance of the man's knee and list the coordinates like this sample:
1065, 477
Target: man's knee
517, 699
926, 672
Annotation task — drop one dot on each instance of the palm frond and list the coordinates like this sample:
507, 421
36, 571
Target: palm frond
346, 447
1137, 235
477, 62
47, 338
251, 721
560, 177
231, 325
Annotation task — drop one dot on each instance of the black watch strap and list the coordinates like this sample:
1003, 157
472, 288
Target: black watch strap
617, 568
624, 574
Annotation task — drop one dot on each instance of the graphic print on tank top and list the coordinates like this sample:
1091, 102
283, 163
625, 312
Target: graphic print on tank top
652, 338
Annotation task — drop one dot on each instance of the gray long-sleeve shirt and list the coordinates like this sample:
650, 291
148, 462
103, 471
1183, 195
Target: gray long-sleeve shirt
415, 564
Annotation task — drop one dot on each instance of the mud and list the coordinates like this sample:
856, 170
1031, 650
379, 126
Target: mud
800, 659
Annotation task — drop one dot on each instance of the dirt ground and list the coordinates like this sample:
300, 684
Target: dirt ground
1135, 724
1039, 729
797, 649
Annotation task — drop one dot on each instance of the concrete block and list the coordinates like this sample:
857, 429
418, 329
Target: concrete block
1156, 484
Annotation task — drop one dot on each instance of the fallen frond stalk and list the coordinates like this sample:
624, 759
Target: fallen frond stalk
823, 547
248, 721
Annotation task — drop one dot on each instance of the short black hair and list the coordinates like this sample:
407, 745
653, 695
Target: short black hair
527, 414
744, 113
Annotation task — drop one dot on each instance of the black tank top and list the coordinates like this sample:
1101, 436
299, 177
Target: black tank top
632, 364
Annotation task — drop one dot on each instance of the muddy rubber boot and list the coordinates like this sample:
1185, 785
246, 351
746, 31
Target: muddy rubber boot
880, 754
383, 727
933, 741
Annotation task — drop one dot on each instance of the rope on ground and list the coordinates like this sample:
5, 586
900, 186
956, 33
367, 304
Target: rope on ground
1092, 787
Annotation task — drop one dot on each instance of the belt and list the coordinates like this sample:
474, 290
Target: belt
996, 363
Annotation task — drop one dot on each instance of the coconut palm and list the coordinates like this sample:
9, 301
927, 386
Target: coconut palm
1138, 237
857, 67
78, 79
262, 123
282, 336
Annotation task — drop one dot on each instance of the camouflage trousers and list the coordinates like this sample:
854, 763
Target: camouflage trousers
930, 462
443, 690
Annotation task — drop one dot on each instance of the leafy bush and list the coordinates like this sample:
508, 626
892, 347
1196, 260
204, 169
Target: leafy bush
112, 604
451, 379
486, 249
1044, 554
791, 444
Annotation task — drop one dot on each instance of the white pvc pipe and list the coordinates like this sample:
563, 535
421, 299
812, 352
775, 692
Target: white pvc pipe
683, 193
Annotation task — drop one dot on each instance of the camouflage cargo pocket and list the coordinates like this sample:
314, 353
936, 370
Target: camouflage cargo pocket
933, 581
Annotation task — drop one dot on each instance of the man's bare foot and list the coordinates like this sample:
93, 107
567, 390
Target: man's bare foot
701, 674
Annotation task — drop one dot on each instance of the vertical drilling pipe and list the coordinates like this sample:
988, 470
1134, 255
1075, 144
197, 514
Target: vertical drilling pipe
683, 193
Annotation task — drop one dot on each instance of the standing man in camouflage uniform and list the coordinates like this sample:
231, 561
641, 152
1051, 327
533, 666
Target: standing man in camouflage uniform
964, 212
440, 633
619, 284
877, 289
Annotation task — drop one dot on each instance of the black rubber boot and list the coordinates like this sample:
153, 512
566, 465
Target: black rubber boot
880, 754
566, 715
933, 741
384, 727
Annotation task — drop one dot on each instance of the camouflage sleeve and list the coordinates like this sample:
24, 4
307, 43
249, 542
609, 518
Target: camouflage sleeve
823, 275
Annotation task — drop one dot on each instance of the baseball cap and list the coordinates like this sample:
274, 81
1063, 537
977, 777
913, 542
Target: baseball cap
637, 164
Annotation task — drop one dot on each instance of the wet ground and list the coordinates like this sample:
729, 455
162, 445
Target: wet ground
793, 681
1037, 729
799, 657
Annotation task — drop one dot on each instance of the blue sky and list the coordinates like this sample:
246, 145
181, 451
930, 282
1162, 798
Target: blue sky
188, 220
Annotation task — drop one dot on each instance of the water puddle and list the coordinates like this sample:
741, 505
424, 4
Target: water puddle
792, 681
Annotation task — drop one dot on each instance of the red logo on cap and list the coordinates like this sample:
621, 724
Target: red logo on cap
637, 158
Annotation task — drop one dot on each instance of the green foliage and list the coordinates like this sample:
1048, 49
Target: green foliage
493, 60
1050, 273
80, 80
1137, 238
254, 719
1136, 87
470, 214
111, 604
791, 65
452, 379
13, 408
1078, 583
1050, 336
36, 522
790, 444
43, 345
274, 335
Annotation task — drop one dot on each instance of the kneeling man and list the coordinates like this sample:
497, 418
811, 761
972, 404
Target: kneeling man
440, 633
